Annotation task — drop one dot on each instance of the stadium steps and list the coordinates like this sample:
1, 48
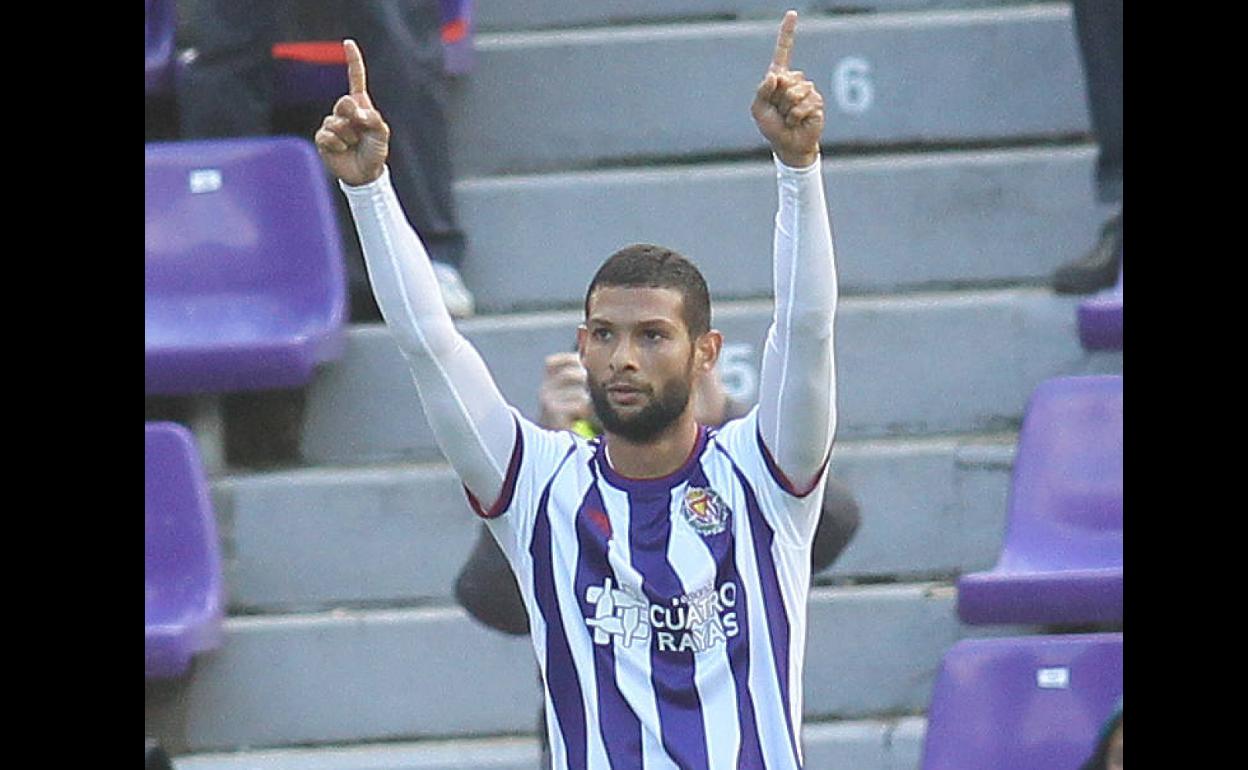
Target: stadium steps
319, 538
924, 363
350, 676
858, 744
501, 753
504, 15
667, 91
902, 222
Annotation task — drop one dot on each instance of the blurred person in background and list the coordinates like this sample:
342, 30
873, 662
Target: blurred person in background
1098, 26
227, 90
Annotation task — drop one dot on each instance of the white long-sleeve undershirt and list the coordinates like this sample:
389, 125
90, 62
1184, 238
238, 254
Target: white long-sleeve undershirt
797, 384
471, 420
474, 425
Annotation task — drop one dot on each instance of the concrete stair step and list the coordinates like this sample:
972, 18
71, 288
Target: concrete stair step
502, 15
403, 675
858, 744
506, 753
894, 365
901, 222
576, 98
320, 538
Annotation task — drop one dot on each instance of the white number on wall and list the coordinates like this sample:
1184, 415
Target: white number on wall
737, 372
851, 85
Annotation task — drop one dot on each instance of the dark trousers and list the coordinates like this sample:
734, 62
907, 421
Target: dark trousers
1098, 26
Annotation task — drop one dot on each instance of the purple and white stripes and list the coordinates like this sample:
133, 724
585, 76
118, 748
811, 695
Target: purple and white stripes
620, 727
665, 638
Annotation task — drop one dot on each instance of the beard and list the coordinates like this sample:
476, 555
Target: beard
661, 410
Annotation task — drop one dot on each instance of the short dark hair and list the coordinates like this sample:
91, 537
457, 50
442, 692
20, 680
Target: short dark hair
657, 267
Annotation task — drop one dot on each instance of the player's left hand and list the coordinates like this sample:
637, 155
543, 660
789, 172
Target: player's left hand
354, 140
787, 107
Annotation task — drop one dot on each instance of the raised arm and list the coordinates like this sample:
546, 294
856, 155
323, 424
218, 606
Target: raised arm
797, 385
470, 419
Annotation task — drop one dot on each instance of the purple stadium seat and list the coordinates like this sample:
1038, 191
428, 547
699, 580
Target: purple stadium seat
1023, 703
159, 25
244, 278
1061, 561
1100, 319
182, 583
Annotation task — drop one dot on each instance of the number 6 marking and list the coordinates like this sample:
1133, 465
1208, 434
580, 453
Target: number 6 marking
851, 85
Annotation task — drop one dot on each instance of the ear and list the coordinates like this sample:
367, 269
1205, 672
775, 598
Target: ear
706, 350
582, 334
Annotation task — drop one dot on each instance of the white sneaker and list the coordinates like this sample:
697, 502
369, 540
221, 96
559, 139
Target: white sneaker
459, 301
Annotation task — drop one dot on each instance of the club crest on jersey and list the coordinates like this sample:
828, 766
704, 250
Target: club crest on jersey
705, 511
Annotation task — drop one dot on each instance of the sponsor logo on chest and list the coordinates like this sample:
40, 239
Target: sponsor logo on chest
695, 622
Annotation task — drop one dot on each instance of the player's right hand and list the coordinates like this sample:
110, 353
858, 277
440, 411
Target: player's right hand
353, 140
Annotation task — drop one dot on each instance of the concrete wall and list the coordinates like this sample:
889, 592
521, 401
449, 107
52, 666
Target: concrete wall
896, 372
576, 98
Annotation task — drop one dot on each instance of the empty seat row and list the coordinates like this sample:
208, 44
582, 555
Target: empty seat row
1023, 703
244, 275
183, 594
244, 289
1039, 702
1061, 561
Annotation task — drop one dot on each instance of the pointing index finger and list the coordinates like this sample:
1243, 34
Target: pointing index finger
356, 80
784, 42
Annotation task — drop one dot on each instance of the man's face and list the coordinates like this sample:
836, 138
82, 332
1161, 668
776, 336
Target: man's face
641, 363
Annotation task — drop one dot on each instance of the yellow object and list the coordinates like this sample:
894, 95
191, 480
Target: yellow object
584, 428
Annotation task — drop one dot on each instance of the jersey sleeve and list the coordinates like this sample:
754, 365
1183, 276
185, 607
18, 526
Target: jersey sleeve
537, 456
791, 510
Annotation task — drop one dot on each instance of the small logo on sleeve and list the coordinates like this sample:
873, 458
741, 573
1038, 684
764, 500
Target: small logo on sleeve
705, 511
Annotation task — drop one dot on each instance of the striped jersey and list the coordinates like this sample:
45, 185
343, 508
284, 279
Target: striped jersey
668, 615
